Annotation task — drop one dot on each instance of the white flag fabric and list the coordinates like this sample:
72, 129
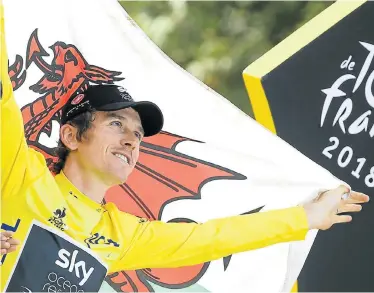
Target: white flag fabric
55, 47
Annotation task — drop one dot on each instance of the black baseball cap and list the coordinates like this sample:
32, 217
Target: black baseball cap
112, 98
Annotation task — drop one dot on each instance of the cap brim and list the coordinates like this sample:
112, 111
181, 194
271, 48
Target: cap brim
150, 114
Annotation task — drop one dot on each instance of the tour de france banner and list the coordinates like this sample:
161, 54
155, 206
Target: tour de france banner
315, 91
59, 264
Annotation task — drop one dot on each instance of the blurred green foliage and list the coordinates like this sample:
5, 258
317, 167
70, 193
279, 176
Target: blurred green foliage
216, 40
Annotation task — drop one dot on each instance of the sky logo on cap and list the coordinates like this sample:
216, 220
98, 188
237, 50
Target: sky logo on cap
77, 99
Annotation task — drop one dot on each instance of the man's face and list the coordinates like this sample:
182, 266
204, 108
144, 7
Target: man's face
110, 148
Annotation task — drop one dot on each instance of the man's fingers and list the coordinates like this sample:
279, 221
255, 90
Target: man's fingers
8, 243
5, 244
336, 193
348, 208
13, 241
6, 234
12, 248
342, 219
343, 189
357, 197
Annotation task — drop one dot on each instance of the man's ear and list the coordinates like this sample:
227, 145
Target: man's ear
68, 135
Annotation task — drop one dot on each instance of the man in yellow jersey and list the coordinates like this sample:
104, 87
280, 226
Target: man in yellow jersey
53, 216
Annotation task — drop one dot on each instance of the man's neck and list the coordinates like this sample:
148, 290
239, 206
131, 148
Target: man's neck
87, 183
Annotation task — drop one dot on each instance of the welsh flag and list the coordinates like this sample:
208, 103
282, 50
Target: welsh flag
211, 160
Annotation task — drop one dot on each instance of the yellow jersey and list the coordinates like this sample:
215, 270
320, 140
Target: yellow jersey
122, 241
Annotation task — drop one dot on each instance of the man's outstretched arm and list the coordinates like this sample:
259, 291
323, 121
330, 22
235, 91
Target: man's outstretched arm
160, 245
14, 150
156, 244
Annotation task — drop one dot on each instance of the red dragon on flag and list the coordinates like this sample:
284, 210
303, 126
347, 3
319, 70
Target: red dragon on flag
161, 176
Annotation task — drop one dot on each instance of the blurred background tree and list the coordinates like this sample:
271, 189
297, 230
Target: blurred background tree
216, 40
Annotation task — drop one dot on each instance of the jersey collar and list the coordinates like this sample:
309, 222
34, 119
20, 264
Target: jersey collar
68, 189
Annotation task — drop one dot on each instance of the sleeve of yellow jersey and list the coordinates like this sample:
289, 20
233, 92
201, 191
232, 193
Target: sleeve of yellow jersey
155, 244
14, 150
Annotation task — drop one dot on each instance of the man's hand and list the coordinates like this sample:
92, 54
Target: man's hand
323, 211
8, 243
